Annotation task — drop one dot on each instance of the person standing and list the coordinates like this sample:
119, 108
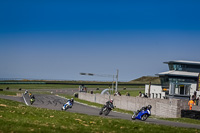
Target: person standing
140, 94
197, 101
190, 103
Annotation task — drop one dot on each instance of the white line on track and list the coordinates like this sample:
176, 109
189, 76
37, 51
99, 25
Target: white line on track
24, 99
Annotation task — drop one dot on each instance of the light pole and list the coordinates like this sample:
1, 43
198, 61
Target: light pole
116, 80
105, 75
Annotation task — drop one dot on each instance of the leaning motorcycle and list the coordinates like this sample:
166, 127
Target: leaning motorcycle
106, 109
142, 114
32, 100
66, 106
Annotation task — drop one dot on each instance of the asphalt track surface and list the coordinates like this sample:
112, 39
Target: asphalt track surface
55, 103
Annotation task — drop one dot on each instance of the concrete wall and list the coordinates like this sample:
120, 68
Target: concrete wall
170, 108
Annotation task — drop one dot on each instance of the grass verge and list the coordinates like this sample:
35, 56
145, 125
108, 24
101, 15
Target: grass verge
16, 117
8, 93
183, 120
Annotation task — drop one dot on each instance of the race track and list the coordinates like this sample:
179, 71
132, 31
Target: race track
56, 102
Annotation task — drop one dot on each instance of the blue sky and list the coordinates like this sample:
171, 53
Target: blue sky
60, 39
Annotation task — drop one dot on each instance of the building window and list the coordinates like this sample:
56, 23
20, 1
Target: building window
179, 89
177, 67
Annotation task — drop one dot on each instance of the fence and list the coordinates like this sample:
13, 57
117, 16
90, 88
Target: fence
170, 108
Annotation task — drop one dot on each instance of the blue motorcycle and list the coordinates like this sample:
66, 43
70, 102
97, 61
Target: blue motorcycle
67, 105
142, 114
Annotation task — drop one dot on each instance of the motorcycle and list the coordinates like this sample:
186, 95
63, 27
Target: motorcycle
106, 109
32, 100
25, 92
142, 114
66, 106
30, 94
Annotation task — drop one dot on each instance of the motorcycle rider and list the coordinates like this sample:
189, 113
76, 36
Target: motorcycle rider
32, 100
109, 102
68, 103
108, 106
72, 101
144, 108
142, 114
30, 94
149, 107
25, 92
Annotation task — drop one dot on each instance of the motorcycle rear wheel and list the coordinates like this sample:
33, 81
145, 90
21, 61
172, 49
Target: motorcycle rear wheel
101, 112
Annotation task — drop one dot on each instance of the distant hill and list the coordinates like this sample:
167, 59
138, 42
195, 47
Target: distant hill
146, 79
141, 80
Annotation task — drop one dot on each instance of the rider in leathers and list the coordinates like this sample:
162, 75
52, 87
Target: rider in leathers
108, 103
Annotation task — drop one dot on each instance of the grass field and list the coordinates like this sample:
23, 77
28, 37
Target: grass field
132, 92
37, 86
15, 87
184, 120
56, 86
7, 93
16, 117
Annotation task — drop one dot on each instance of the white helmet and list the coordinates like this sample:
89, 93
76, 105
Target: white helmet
111, 100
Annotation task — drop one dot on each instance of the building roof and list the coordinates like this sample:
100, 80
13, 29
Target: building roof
179, 73
184, 62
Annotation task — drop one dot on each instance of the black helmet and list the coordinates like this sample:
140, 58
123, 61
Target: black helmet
149, 106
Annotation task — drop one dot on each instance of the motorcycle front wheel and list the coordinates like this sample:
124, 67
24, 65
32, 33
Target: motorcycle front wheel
107, 111
133, 116
144, 117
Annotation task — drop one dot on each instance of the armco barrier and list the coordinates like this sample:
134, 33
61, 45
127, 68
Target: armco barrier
170, 108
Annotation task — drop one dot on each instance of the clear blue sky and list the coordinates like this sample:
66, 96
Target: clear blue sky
59, 39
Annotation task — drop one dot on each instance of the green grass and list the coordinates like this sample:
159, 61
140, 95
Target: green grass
37, 86
7, 93
132, 92
16, 117
183, 120
55, 86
